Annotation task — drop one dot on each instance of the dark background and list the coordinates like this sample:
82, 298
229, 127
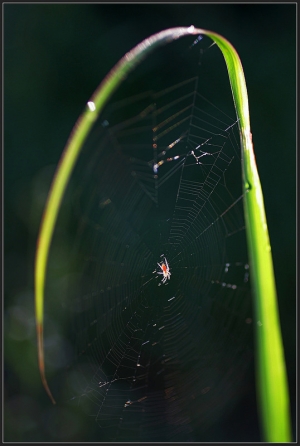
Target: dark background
54, 58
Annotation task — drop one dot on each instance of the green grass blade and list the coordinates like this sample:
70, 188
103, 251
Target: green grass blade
71, 152
272, 387
271, 374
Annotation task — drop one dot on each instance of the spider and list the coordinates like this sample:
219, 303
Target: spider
165, 270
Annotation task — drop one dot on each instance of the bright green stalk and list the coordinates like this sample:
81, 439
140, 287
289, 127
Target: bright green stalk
272, 387
271, 374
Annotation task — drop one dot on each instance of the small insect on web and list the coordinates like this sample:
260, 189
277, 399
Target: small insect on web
165, 271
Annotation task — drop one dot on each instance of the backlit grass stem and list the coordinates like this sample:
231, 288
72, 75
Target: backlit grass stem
272, 389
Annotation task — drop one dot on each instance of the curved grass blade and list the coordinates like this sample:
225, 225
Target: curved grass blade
271, 378
68, 159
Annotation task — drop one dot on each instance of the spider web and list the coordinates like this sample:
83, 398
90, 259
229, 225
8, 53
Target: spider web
160, 178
